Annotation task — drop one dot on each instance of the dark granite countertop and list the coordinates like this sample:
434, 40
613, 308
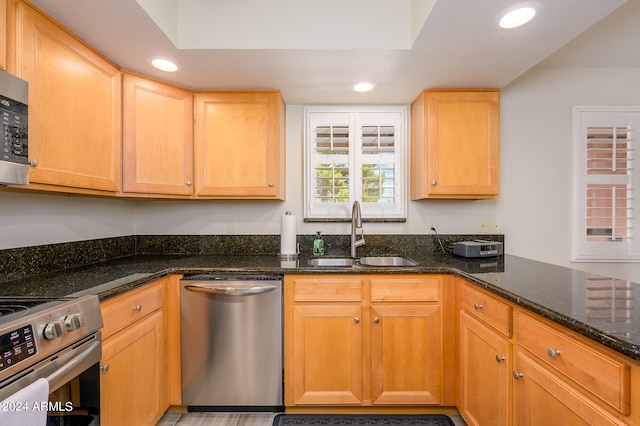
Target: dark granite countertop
601, 308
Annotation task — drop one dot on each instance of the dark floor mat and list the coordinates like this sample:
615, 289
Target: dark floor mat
358, 420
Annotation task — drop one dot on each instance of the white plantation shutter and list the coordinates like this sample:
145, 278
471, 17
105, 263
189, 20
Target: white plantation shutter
606, 205
355, 154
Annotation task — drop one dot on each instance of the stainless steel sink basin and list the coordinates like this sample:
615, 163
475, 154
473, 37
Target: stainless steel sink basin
386, 261
332, 261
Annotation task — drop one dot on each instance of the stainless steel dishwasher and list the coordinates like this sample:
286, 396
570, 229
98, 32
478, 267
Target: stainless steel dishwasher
231, 342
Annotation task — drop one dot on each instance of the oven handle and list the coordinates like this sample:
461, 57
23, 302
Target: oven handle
59, 368
75, 365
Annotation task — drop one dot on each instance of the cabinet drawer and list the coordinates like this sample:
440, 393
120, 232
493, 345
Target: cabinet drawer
486, 308
405, 289
604, 376
121, 311
327, 289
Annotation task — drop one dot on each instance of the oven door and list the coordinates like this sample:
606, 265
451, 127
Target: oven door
74, 383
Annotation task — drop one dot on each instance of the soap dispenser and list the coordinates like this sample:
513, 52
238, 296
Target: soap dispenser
318, 245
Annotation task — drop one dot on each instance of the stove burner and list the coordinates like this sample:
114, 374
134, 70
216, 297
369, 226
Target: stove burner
10, 309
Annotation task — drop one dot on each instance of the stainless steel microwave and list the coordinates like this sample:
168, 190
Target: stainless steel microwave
14, 100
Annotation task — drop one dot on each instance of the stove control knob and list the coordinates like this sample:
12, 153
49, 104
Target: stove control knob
53, 330
74, 321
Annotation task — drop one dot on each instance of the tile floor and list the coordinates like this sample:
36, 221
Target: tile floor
234, 419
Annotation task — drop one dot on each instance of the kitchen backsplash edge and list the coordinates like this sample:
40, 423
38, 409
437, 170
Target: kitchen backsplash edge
21, 262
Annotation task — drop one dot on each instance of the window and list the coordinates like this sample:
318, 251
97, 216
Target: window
355, 154
606, 199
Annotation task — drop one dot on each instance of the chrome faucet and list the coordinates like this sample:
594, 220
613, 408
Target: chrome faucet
356, 222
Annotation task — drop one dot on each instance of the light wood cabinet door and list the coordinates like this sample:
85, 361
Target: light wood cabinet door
3, 34
543, 399
133, 382
239, 145
485, 374
327, 355
406, 354
455, 142
74, 107
363, 340
157, 144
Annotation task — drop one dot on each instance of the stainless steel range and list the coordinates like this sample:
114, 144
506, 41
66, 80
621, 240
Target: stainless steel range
59, 340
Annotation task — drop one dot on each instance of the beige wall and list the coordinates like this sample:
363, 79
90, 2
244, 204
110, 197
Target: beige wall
534, 208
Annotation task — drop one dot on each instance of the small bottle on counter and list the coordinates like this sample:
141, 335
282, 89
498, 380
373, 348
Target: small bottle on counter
318, 245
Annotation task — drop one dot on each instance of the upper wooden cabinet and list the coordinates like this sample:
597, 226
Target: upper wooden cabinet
239, 145
455, 143
157, 144
74, 107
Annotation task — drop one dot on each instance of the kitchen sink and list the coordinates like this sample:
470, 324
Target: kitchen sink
386, 261
332, 261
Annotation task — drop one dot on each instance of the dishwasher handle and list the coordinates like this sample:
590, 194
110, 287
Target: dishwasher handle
231, 290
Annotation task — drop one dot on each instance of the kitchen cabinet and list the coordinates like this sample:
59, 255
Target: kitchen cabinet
485, 358
3, 34
455, 143
560, 373
133, 379
363, 340
74, 108
239, 145
157, 144
541, 398
517, 368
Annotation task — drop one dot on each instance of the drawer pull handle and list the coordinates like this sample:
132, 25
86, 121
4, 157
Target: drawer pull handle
356, 320
553, 352
499, 359
477, 306
517, 375
376, 320
137, 308
105, 368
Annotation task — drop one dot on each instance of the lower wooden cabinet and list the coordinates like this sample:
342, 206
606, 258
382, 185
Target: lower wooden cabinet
326, 355
485, 374
133, 379
536, 372
485, 357
406, 354
542, 398
132, 384
363, 340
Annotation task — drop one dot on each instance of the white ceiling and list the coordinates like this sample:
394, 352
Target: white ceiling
458, 45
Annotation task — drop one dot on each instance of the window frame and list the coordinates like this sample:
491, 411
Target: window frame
627, 249
357, 118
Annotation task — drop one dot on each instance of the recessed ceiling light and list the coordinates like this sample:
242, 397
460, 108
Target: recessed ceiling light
164, 64
363, 86
518, 15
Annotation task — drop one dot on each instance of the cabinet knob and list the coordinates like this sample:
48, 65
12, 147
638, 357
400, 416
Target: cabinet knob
189, 183
104, 368
517, 375
553, 352
137, 308
434, 182
477, 306
499, 359
376, 320
356, 320
270, 184
33, 163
